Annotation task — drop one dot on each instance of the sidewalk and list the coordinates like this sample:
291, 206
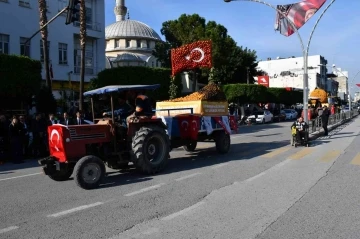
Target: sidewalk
246, 209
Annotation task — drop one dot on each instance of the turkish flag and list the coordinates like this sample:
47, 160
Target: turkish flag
56, 144
263, 80
358, 85
191, 56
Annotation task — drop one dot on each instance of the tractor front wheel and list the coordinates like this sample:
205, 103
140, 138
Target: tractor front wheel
150, 149
89, 172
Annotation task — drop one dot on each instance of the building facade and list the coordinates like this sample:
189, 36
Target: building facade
129, 42
342, 77
22, 21
288, 72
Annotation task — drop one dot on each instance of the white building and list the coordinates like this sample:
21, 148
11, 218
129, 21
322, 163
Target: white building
288, 72
20, 19
342, 78
129, 42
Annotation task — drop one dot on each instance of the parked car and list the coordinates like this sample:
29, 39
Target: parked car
280, 117
261, 117
290, 114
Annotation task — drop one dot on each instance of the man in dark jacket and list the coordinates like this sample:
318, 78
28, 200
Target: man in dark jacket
142, 108
325, 119
79, 119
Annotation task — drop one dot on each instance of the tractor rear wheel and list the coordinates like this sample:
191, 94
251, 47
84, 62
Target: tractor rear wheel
60, 176
190, 147
222, 141
89, 172
150, 149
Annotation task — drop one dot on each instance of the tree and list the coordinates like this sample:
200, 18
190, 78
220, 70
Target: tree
227, 56
82, 47
245, 64
45, 101
44, 37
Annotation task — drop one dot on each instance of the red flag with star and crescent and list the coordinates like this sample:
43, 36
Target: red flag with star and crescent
191, 56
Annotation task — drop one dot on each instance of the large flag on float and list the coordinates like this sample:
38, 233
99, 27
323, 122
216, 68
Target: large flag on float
191, 56
298, 13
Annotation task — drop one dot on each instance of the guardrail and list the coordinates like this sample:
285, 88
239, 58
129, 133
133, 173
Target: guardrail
315, 125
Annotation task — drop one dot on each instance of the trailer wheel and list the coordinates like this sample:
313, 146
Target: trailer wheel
89, 172
190, 147
222, 141
150, 148
60, 176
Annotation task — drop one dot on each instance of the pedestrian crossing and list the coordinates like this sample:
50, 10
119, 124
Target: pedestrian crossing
324, 156
356, 160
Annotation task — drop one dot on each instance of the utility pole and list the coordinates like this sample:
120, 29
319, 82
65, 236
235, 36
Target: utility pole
247, 75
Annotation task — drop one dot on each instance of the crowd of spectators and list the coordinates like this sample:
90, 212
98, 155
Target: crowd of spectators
25, 137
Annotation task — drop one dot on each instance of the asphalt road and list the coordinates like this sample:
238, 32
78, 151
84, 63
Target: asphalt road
262, 189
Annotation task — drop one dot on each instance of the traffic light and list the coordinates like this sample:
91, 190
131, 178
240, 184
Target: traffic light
73, 12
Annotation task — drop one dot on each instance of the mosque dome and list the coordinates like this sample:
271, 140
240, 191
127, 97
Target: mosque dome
126, 28
128, 57
130, 29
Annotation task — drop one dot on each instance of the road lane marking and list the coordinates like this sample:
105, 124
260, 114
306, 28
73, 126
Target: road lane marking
266, 171
182, 212
255, 177
330, 156
219, 165
187, 176
144, 190
302, 153
138, 235
76, 209
356, 160
276, 152
22, 176
8, 229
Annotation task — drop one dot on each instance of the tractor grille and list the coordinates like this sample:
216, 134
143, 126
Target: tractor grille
75, 136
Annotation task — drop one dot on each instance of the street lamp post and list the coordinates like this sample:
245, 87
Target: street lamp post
305, 51
348, 82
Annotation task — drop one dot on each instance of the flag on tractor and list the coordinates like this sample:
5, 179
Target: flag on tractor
191, 56
298, 13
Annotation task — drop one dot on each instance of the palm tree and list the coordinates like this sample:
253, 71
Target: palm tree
82, 47
44, 37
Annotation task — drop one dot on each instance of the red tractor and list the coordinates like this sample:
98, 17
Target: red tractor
83, 150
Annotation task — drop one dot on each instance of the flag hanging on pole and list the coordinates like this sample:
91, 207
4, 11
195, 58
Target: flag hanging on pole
298, 13
358, 85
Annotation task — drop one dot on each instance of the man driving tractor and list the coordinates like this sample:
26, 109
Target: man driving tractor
142, 106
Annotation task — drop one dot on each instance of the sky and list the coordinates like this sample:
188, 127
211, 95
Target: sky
251, 25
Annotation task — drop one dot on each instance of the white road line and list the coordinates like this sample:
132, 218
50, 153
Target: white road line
182, 212
22, 176
266, 171
255, 177
187, 176
75, 209
219, 165
8, 229
145, 190
138, 235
